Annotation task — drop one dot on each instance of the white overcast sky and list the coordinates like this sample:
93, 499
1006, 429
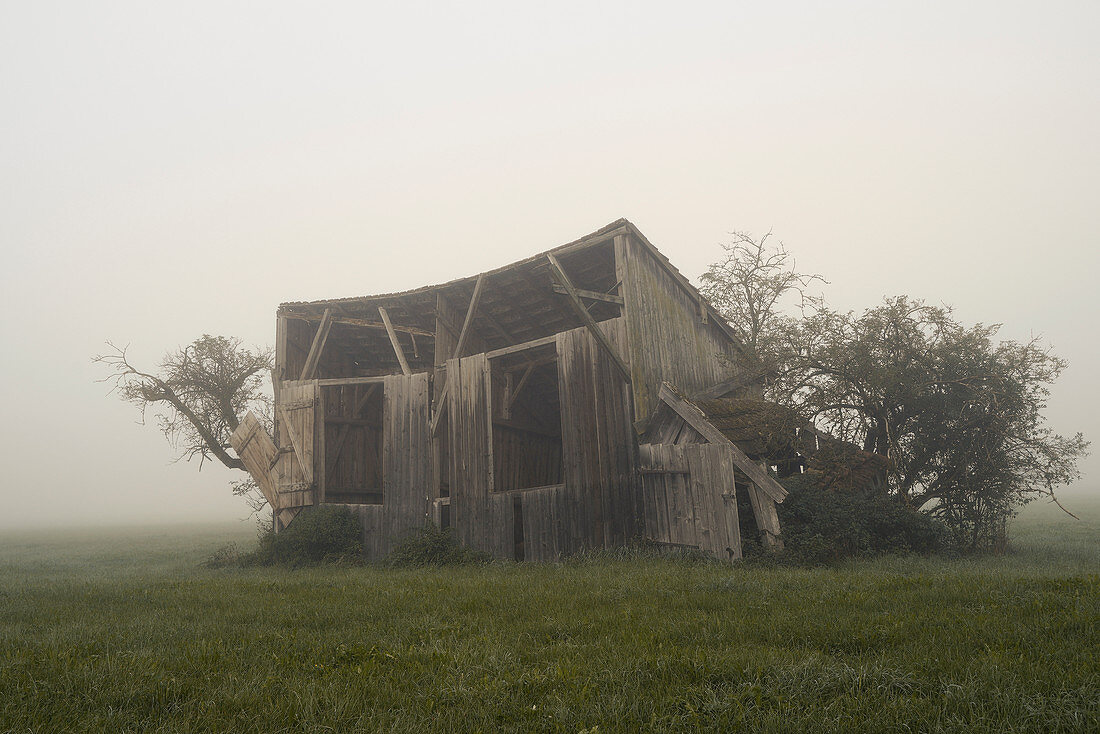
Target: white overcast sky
170, 169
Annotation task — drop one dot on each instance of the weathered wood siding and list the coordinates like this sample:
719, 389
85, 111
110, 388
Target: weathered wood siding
406, 466
302, 440
599, 506
595, 505
525, 459
377, 540
689, 497
669, 339
471, 464
406, 453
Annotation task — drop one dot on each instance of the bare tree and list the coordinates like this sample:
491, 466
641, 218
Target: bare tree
748, 285
198, 394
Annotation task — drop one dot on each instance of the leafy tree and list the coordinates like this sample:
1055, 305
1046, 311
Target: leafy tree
198, 394
958, 414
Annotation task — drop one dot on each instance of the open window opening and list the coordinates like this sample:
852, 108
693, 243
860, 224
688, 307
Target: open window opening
353, 443
526, 416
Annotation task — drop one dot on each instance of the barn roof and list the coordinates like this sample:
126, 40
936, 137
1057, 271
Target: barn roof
518, 303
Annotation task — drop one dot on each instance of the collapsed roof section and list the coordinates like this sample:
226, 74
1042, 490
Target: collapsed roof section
516, 303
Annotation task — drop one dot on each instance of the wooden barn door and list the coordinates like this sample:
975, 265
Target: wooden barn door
299, 406
689, 499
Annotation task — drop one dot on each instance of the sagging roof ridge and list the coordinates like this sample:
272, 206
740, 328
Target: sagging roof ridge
601, 235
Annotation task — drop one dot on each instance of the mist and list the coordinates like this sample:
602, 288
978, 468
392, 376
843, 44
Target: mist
170, 171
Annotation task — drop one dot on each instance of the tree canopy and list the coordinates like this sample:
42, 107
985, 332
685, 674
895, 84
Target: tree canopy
197, 394
957, 413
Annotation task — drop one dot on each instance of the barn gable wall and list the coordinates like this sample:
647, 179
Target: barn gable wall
672, 337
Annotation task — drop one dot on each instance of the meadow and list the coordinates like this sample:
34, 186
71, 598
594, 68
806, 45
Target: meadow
120, 630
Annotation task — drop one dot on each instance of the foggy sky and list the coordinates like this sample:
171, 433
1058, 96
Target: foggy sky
174, 169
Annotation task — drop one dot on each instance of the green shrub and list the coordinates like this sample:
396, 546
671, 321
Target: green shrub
320, 534
433, 546
821, 526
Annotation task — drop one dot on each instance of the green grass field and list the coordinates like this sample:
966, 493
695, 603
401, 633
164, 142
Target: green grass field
123, 631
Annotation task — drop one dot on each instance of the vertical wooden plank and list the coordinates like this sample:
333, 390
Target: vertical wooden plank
471, 446
729, 499
279, 372
683, 500
668, 339
702, 512
766, 517
406, 458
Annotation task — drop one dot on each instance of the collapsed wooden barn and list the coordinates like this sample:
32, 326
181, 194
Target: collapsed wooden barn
539, 409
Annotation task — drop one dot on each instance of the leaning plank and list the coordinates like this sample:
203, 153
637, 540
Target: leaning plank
318, 345
698, 420
393, 341
767, 519
465, 333
582, 312
439, 411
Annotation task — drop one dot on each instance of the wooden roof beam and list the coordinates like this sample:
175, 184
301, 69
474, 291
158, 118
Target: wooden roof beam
393, 341
586, 318
363, 323
592, 295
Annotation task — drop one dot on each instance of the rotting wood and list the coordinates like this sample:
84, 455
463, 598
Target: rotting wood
698, 420
318, 346
393, 341
586, 317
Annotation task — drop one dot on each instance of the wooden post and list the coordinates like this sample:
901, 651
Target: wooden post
393, 341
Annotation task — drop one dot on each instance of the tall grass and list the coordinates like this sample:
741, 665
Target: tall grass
125, 632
